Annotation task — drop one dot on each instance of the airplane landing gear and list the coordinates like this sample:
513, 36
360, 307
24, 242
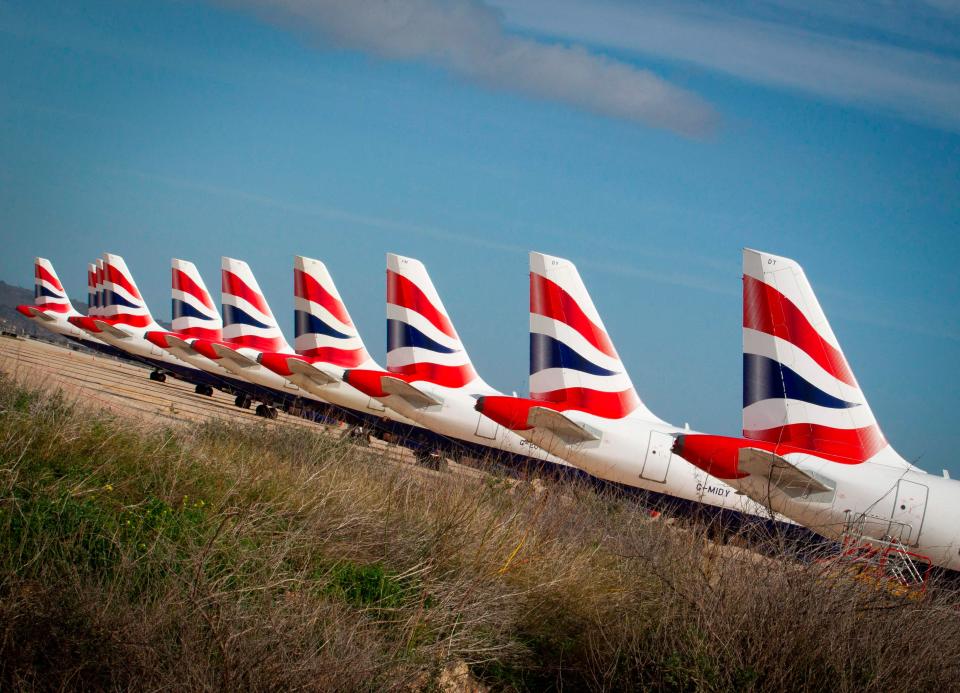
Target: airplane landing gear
266, 412
242, 401
204, 390
158, 376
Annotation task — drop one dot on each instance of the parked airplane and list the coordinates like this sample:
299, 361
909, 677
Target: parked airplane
249, 329
195, 316
326, 342
122, 318
812, 448
52, 308
583, 406
430, 378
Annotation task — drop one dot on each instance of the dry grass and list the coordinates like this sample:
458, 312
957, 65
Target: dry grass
219, 557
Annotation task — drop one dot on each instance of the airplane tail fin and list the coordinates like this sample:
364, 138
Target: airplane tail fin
194, 312
93, 297
572, 358
247, 318
100, 291
421, 340
122, 303
48, 292
798, 388
323, 328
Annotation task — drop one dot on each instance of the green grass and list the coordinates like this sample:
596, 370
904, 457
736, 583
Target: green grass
218, 556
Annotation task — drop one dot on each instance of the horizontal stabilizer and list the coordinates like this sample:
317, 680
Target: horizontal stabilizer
566, 429
111, 330
177, 345
43, 315
403, 389
235, 357
780, 472
313, 372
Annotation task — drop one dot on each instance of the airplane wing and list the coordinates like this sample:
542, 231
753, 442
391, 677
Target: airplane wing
568, 430
115, 332
401, 388
234, 357
780, 472
313, 372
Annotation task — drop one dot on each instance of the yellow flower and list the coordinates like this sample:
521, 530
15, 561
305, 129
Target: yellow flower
108, 487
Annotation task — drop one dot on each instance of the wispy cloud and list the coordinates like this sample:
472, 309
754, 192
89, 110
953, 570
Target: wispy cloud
894, 57
468, 38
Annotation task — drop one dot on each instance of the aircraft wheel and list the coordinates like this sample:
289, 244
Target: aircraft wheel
271, 412
209, 391
262, 410
161, 377
200, 389
242, 401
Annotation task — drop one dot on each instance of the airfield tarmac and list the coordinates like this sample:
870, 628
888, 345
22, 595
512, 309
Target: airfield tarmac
124, 388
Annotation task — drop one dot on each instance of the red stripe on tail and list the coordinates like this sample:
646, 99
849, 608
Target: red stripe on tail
404, 293
767, 310
551, 301
305, 286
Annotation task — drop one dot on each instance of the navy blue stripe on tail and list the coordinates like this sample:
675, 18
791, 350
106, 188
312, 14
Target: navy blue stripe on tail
764, 378
547, 352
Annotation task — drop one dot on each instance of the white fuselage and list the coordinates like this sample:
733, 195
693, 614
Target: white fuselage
341, 394
258, 374
133, 342
876, 500
455, 417
636, 452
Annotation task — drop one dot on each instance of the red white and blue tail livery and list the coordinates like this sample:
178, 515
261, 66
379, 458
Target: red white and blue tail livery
93, 298
48, 293
248, 321
422, 344
323, 329
192, 308
573, 362
123, 305
798, 388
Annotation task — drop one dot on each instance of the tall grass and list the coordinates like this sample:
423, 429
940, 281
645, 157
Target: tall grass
215, 556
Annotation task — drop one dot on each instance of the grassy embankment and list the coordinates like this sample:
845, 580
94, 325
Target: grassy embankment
212, 556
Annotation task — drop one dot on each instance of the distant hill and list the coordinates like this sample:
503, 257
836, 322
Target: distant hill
12, 296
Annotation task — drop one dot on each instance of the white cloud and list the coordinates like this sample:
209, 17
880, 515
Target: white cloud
467, 37
881, 56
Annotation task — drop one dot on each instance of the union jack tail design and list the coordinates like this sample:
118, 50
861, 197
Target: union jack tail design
48, 293
194, 312
93, 297
247, 318
421, 340
797, 386
121, 301
324, 331
572, 358
99, 290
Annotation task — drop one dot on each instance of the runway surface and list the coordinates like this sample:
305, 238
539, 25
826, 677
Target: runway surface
125, 388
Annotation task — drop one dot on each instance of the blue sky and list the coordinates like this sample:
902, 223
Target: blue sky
648, 142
